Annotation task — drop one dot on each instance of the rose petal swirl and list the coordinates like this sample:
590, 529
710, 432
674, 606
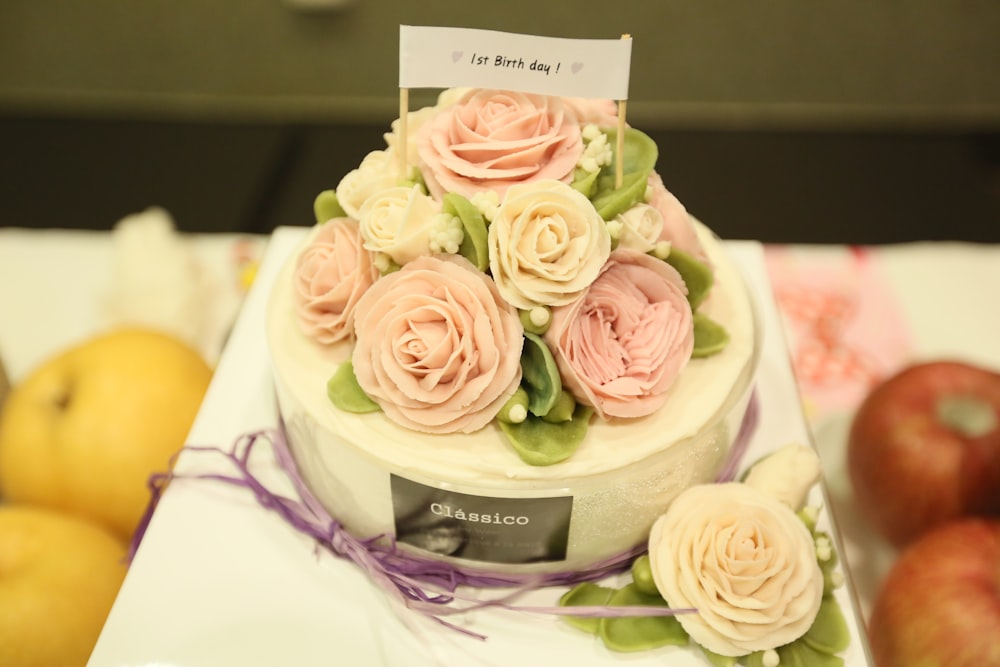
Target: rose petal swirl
547, 243
490, 140
437, 348
744, 560
398, 221
621, 346
331, 275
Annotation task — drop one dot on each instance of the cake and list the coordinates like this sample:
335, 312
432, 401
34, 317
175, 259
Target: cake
500, 351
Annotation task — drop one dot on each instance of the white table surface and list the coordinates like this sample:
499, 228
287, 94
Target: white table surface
53, 288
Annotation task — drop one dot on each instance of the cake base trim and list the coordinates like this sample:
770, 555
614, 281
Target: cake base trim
423, 584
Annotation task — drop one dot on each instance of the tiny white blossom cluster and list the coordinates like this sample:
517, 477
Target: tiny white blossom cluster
598, 152
487, 202
446, 234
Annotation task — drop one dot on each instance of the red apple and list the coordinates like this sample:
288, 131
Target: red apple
939, 606
924, 449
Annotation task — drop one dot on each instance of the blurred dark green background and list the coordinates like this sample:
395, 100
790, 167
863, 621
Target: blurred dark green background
784, 120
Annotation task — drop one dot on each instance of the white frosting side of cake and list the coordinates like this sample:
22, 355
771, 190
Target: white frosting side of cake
622, 476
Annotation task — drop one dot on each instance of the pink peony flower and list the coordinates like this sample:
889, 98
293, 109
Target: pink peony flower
331, 274
678, 227
622, 345
490, 140
437, 348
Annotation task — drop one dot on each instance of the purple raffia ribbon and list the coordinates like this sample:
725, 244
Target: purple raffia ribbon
426, 585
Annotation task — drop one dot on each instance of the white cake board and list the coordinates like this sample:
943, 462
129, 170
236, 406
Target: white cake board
218, 580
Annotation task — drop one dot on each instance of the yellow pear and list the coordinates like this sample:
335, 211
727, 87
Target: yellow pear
59, 576
84, 431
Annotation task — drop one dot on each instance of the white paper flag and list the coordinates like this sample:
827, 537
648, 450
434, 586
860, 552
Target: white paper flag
434, 57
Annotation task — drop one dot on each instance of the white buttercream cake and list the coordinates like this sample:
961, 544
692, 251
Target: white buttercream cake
499, 352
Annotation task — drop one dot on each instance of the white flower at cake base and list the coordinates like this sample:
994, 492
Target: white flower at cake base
379, 170
638, 228
623, 343
744, 561
400, 222
331, 274
491, 140
547, 244
437, 348
788, 474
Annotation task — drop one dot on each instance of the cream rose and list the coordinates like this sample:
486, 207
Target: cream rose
622, 345
379, 170
331, 274
490, 140
678, 227
639, 227
399, 222
744, 561
546, 243
437, 348
787, 474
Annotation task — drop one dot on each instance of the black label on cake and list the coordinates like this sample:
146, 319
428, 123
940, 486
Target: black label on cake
495, 530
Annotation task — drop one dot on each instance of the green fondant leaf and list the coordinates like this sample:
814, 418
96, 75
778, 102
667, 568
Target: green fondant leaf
801, 654
587, 594
563, 409
474, 247
696, 274
640, 633
345, 393
710, 337
540, 443
829, 633
639, 160
540, 373
520, 398
327, 207
585, 181
642, 576
610, 203
717, 660
525, 316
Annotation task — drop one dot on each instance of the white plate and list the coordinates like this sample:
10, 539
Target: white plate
219, 580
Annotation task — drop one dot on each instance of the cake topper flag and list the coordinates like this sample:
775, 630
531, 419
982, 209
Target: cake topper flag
438, 57
434, 57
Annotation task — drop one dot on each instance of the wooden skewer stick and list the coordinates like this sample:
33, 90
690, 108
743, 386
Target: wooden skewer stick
404, 111
620, 143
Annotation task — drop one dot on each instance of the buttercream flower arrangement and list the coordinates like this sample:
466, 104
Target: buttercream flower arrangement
746, 569
504, 270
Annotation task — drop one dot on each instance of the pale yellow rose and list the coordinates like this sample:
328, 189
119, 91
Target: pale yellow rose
399, 222
639, 227
547, 244
378, 171
744, 561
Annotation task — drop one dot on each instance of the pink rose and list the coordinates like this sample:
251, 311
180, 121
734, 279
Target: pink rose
490, 140
602, 113
622, 345
331, 274
678, 227
437, 348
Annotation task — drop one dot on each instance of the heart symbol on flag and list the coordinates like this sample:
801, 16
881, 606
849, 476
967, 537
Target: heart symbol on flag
576, 67
455, 55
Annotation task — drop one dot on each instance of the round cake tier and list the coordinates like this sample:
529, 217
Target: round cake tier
469, 498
